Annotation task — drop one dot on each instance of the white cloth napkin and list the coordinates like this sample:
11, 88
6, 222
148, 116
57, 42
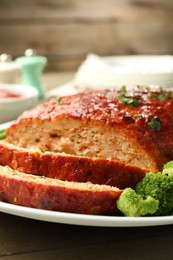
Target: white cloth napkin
97, 72
101, 72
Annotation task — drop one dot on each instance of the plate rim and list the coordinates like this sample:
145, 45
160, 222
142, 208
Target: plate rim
83, 219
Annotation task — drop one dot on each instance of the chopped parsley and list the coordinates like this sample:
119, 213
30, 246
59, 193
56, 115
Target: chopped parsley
147, 87
43, 151
84, 155
131, 101
124, 99
123, 89
15, 199
2, 134
15, 172
161, 95
154, 123
58, 101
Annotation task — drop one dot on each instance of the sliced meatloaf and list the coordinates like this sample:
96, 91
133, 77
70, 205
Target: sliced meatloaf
52, 194
132, 125
70, 167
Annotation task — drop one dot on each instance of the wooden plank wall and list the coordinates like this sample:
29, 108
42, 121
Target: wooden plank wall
66, 30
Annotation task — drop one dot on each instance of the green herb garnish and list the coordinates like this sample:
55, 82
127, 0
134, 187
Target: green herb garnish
44, 151
161, 95
147, 87
84, 155
3, 134
58, 101
123, 89
131, 101
15, 173
15, 199
154, 123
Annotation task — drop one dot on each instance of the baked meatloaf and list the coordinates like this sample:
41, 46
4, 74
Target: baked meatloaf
131, 125
71, 168
52, 194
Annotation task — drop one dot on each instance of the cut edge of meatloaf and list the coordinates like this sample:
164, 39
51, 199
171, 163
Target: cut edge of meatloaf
132, 125
81, 138
52, 194
70, 167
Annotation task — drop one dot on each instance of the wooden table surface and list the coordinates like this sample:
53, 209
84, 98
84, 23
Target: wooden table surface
23, 238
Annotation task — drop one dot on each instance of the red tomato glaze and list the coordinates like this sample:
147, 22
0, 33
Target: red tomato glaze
8, 94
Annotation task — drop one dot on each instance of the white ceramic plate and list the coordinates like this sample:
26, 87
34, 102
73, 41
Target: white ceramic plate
81, 219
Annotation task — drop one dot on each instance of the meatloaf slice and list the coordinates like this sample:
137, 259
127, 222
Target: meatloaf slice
52, 194
132, 125
70, 167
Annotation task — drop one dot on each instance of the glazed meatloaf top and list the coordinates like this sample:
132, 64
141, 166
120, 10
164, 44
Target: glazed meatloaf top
133, 125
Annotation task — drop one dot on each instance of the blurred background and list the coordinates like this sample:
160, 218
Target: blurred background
65, 31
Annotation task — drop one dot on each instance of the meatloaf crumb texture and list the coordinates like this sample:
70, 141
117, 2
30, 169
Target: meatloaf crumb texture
71, 168
133, 125
77, 153
112, 124
52, 194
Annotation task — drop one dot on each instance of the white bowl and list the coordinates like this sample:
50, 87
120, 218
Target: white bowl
11, 108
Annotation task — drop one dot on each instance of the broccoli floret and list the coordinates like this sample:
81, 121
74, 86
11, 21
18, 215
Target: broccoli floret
168, 168
152, 196
133, 205
160, 187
